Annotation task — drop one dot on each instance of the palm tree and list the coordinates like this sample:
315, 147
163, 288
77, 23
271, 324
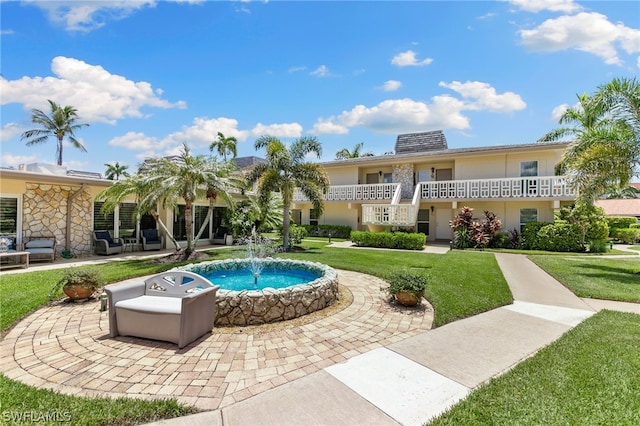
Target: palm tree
286, 170
61, 123
225, 146
167, 181
603, 152
620, 193
345, 154
114, 171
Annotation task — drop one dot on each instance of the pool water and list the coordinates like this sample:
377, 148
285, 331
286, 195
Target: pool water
239, 280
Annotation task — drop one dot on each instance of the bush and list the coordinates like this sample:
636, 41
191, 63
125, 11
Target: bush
469, 232
336, 231
296, 233
598, 246
407, 281
399, 240
529, 235
628, 236
500, 240
616, 222
635, 226
563, 237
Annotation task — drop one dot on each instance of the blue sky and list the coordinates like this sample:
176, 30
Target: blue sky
150, 75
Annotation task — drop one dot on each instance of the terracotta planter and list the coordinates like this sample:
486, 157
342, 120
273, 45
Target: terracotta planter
77, 292
407, 299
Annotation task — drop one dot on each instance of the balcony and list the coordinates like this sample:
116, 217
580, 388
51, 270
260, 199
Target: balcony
349, 193
507, 188
389, 214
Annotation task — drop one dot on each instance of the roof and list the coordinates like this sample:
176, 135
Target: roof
421, 142
624, 207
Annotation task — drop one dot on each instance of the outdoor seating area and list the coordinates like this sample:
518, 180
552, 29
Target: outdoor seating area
174, 306
151, 240
41, 248
105, 245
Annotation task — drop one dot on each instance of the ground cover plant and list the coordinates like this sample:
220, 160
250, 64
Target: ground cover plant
595, 277
587, 377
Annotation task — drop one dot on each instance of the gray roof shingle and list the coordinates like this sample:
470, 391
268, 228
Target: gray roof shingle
421, 142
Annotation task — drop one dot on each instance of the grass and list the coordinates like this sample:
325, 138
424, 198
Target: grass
587, 377
595, 277
474, 275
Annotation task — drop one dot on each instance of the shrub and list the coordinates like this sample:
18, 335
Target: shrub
563, 237
529, 235
616, 222
500, 240
296, 233
628, 236
469, 232
336, 231
399, 240
635, 226
598, 246
406, 280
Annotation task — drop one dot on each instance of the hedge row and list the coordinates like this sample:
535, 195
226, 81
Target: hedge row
336, 231
615, 222
559, 236
397, 240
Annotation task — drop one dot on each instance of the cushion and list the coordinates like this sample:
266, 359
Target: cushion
40, 244
10, 242
161, 305
115, 244
220, 232
150, 234
103, 235
40, 250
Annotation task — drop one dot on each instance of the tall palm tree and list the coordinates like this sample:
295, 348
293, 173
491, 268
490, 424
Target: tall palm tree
286, 170
620, 193
61, 123
603, 152
345, 154
167, 181
114, 171
225, 146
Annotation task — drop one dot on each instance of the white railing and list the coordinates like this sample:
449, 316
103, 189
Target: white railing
369, 192
389, 214
521, 187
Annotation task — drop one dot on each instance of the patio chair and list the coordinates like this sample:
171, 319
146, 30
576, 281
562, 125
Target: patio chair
220, 236
105, 245
151, 240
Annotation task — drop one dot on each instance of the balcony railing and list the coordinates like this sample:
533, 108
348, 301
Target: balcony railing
369, 192
522, 187
389, 214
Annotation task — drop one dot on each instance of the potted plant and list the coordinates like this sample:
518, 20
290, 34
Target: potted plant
78, 284
406, 287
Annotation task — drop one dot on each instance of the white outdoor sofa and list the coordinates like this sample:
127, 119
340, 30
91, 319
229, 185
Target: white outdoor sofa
174, 306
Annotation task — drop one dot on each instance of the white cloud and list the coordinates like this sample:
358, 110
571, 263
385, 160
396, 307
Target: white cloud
408, 58
282, 130
96, 94
7, 32
559, 111
90, 15
391, 85
134, 141
482, 96
9, 160
296, 69
588, 32
535, 6
407, 115
10, 131
321, 71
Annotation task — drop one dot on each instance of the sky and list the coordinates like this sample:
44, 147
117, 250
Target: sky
149, 76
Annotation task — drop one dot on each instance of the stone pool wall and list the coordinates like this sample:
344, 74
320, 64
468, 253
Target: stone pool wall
254, 307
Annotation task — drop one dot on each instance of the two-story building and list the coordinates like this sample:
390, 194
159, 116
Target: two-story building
424, 184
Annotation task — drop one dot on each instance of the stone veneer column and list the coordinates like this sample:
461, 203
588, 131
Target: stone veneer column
44, 213
403, 174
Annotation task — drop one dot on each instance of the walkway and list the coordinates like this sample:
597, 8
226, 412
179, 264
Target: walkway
367, 364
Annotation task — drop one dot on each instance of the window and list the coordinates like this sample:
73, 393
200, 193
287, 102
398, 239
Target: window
528, 168
127, 218
100, 221
9, 216
179, 227
313, 217
387, 178
526, 216
200, 214
424, 176
423, 221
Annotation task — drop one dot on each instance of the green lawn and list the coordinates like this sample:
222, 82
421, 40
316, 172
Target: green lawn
587, 377
595, 277
461, 284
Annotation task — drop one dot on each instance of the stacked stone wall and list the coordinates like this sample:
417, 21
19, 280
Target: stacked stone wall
45, 214
403, 174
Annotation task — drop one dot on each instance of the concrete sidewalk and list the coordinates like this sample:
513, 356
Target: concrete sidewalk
411, 381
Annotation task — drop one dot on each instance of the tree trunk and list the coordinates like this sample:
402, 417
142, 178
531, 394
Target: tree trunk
285, 226
156, 216
60, 150
206, 220
188, 222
